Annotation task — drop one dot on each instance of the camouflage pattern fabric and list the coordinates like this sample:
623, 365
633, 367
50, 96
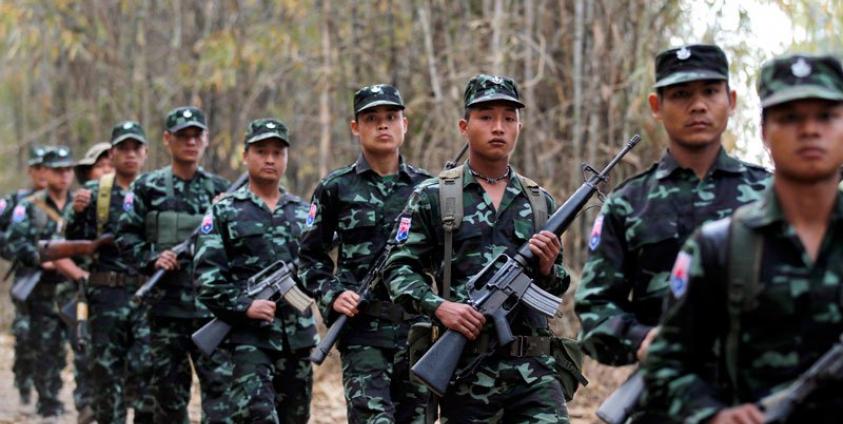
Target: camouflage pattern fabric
793, 319
483, 234
635, 239
119, 329
240, 236
360, 207
47, 334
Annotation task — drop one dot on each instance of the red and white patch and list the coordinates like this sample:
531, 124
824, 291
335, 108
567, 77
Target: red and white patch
403, 229
679, 276
19, 214
311, 215
3, 205
596, 232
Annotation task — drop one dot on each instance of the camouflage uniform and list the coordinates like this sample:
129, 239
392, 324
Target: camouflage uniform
161, 198
360, 207
503, 387
240, 236
120, 366
791, 312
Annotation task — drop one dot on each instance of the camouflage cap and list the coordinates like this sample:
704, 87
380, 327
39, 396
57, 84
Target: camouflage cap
58, 157
184, 117
798, 77
377, 95
36, 155
266, 128
691, 63
93, 154
127, 130
487, 88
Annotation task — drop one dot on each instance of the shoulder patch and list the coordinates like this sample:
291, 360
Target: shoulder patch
596, 232
129, 202
207, 224
403, 229
311, 215
3, 205
679, 275
19, 214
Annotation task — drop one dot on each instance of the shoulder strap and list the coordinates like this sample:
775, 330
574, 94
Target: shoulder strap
38, 201
168, 182
537, 202
742, 274
451, 211
104, 201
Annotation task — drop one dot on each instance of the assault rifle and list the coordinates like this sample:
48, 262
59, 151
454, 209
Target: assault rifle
180, 249
503, 284
320, 352
780, 405
49, 250
617, 407
25, 282
274, 282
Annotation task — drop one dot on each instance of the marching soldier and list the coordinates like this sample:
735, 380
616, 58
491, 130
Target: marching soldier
95, 163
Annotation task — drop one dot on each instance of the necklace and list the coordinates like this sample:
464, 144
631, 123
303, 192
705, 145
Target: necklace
490, 180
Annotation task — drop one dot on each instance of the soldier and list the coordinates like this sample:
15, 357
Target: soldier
95, 163
24, 362
163, 209
39, 217
119, 329
359, 203
500, 213
242, 234
764, 286
646, 219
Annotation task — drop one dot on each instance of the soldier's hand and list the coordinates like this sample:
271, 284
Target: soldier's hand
742, 414
81, 199
645, 344
167, 260
48, 266
461, 317
346, 303
262, 310
546, 246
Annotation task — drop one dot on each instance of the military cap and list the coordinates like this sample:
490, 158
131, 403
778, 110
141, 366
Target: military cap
377, 95
266, 128
800, 76
184, 117
58, 157
36, 155
691, 63
487, 88
127, 130
93, 154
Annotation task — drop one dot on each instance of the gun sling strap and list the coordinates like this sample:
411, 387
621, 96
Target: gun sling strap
104, 201
38, 199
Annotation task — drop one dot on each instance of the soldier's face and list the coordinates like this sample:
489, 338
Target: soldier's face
38, 174
805, 138
380, 130
101, 167
492, 130
694, 114
59, 179
128, 157
187, 145
266, 160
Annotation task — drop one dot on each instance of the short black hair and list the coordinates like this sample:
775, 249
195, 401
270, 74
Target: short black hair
357, 115
660, 90
468, 111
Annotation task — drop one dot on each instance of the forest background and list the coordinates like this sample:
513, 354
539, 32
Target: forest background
69, 70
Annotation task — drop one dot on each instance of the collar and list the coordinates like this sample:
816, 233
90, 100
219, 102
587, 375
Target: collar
468, 179
362, 165
724, 163
768, 210
243, 193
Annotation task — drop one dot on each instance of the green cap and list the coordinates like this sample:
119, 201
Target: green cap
127, 130
58, 157
488, 88
800, 76
184, 117
93, 154
377, 95
266, 128
36, 155
691, 63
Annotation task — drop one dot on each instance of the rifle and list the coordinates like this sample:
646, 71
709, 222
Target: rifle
11, 271
617, 407
320, 352
25, 283
180, 249
49, 250
504, 283
779, 406
277, 282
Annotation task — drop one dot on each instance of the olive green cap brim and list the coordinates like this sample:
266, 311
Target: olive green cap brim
128, 136
267, 136
800, 92
497, 97
184, 125
688, 76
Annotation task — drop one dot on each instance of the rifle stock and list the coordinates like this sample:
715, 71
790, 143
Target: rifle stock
49, 250
25, 284
617, 407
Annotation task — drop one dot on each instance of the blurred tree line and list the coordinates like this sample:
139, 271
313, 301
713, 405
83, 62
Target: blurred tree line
71, 69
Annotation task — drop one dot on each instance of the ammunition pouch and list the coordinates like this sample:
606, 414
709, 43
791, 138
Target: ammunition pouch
387, 311
169, 228
569, 357
113, 279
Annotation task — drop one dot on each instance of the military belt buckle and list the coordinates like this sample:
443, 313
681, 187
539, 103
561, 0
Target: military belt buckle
518, 348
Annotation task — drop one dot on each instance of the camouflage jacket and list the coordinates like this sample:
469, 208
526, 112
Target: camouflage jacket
795, 317
240, 236
29, 225
148, 197
635, 239
483, 234
7, 205
359, 207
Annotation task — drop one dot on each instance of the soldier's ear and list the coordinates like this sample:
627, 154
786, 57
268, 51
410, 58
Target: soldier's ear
733, 101
166, 138
655, 105
355, 129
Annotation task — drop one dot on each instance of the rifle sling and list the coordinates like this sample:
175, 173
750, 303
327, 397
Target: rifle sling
104, 201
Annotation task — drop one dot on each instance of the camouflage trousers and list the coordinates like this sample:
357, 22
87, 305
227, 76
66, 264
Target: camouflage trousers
378, 388
83, 390
24, 362
271, 386
120, 368
506, 390
48, 336
172, 352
